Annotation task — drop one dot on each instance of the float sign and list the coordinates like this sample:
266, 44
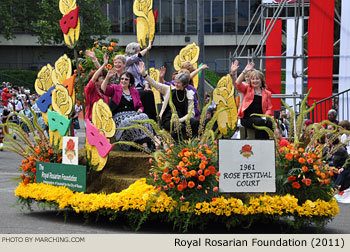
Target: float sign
71, 176
247, 165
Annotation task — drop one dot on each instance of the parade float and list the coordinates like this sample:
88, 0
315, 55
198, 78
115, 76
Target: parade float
179, 184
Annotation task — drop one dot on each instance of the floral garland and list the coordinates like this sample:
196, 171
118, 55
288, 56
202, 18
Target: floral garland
139, 194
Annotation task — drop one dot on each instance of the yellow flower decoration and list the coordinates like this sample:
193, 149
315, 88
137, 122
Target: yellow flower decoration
102, 118
61, 101
72, 37
63, 70
188, 53
154, 74
67, 5
138, 195
55, 138
145, 21
223, 97
94, 157
44, 81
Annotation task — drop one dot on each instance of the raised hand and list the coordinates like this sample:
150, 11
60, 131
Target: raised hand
234, 67
204, 66
162, 71
91, 54
105, 58
142, 68
249, 66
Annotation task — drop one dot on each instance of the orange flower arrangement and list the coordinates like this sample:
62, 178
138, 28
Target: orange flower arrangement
305, 175
28, 165
184, 172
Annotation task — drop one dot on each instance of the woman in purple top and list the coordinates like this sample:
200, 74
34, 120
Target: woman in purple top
126, 106
134, 56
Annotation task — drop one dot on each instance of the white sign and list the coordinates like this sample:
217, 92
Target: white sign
247, 165
70, 150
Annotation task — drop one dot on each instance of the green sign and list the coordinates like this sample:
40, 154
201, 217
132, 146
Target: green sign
71, 176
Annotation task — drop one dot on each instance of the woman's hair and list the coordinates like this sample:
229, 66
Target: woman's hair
188, 65
131, 48
120, 57
259, 74
184, 78
131, 77
345, 124
92, 72
183, 70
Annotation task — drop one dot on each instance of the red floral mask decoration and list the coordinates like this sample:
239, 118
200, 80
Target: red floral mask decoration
70, 20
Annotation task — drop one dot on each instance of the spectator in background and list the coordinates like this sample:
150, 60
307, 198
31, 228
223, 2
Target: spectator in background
5, 96
307, 133
343, 178
345, 138
335, 159
282, 142
15, 104
26, 111
332, 116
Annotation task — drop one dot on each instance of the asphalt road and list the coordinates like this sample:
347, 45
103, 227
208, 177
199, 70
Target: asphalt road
15, 220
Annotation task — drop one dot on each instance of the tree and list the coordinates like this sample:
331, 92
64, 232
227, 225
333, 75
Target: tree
41, 18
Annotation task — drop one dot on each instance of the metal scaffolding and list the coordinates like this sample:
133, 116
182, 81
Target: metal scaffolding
274, 11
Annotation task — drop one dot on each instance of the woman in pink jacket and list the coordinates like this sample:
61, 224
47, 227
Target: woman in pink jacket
126, 106
256, 99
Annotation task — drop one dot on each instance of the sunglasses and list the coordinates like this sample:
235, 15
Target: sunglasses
126, 79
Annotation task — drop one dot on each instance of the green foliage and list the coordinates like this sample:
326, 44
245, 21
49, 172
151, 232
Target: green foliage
41, 18
25, 78
212, 77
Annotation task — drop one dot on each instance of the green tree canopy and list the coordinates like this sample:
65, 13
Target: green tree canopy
41, 18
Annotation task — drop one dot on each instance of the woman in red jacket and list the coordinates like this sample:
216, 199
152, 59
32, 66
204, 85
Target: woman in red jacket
256, 99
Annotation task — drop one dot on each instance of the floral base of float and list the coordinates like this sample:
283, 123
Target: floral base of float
142, 202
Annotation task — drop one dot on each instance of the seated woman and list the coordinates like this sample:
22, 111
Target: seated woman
188, 68
127, 107
256, 99
93, 91
181, 98
134, 55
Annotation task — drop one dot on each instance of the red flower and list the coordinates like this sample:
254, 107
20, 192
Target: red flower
307, 181
301, 160
212, 169
296, 185
180, 187
247, 148
201, 178
206, 172
50, 151
289, 156
304, 168
291, 178
70, 145
26, 180
191, 184
215, 189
